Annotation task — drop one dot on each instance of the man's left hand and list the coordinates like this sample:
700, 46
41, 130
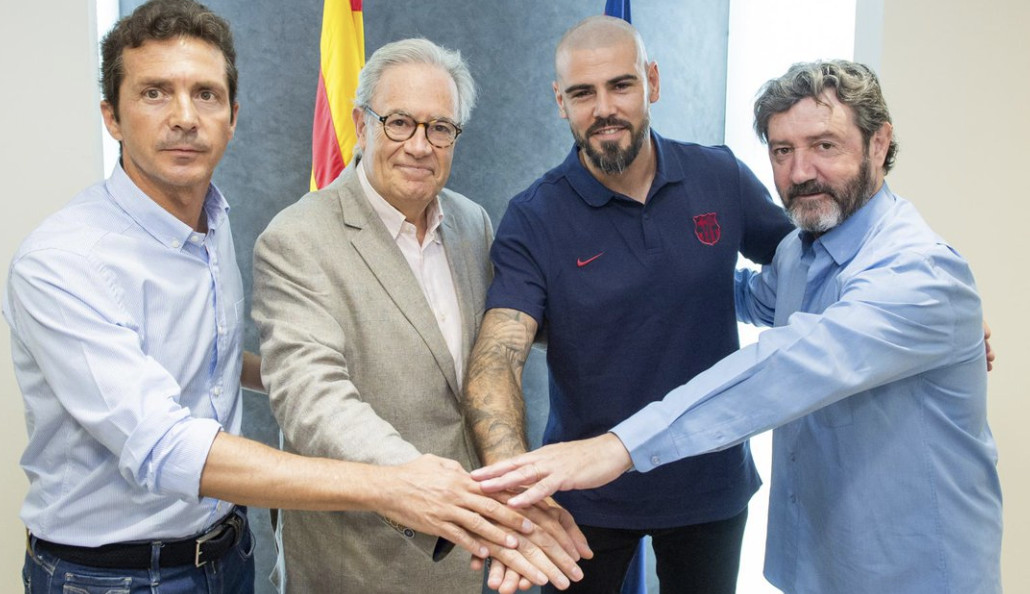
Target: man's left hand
566, 466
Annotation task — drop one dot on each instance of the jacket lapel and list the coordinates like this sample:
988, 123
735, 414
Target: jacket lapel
380, 253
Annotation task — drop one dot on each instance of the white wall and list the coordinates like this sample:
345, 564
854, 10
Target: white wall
50, 151
955, 74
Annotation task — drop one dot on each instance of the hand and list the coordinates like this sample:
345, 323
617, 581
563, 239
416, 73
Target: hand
583, 464
557, 536
436, 496
501, 578
987, 346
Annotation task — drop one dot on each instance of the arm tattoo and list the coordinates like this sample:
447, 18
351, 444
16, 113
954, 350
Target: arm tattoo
494, 405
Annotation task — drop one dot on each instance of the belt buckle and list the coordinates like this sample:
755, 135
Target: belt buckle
213, 533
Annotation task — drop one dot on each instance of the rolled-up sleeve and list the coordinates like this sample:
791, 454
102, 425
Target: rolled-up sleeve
64, 307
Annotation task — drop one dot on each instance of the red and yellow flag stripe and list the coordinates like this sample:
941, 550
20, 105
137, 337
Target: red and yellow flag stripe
343, 56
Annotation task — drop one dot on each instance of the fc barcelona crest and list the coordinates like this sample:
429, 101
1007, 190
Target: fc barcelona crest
706, 227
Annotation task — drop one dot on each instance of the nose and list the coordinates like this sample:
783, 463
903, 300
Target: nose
418, 145
604, 106
184, 113
801, 167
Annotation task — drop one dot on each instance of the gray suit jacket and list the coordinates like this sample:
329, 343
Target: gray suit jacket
357, 369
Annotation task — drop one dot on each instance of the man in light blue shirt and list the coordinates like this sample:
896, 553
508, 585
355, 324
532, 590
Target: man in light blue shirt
126, 315
874, 375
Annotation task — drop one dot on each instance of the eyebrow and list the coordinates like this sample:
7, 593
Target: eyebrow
402, 112
199, 84
609, 82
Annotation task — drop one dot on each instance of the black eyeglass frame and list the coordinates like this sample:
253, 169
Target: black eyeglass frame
425, 127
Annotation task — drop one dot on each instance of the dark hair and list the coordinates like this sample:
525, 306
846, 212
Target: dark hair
855, 85
160, 20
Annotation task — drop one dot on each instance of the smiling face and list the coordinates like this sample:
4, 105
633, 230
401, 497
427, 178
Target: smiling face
605, 92
823, 169
174, 119
411, 173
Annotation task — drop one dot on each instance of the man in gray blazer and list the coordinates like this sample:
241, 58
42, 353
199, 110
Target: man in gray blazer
368, 294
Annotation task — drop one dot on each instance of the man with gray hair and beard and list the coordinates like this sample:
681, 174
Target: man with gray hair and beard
873, 376
368, 294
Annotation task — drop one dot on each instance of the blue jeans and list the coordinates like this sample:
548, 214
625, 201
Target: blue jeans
232, 574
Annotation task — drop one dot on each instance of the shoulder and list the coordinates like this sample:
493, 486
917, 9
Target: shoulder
461, 206
691, 151
314, 214
77, 228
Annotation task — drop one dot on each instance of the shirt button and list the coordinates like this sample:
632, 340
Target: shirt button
793, 498
656, 460
793, 457
176, 243
216, 391
221, 329
195, 238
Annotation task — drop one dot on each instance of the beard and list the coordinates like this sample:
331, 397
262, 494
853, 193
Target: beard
844, 200
612, 159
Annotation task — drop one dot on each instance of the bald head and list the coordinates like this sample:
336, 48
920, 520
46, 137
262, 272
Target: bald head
598, 32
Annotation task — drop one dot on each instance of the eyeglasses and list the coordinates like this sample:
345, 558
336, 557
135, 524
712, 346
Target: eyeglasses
399, 127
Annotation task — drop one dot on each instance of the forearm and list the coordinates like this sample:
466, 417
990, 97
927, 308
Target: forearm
494, 404
247, 472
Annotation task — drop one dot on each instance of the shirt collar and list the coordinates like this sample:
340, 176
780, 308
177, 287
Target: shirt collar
596, 194
155, 220
393, 218
843, 241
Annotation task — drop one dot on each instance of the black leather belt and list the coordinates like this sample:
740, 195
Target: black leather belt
208, 546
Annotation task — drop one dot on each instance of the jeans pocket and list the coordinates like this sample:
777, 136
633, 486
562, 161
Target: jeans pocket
75, 583
247, 545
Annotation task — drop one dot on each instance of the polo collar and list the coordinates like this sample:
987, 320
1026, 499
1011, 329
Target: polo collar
596, 194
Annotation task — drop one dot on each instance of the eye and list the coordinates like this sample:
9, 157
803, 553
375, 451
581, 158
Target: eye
442, 128
781, 151
152, 94
207, 95
825, 146
398, 122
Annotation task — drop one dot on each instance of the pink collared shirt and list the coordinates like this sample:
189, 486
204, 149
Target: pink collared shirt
428, 262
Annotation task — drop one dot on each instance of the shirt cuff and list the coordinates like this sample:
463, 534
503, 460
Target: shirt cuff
646, 436
179, 457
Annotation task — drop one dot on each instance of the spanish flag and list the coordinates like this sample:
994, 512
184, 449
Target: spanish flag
343, 56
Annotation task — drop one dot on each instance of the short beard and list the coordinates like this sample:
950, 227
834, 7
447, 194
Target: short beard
613, 159
845, 201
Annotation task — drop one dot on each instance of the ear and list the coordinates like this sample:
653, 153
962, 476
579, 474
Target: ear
560, 100
653, 82
233, 119
111, 120
358, 116
880, 143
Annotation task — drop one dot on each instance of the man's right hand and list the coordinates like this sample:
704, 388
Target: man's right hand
437, 496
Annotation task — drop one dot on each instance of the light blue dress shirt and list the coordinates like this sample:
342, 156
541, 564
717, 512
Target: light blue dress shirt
884, 469
126, 337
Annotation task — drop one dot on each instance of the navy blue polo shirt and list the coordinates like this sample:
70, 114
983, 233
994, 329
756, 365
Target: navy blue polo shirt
635, 300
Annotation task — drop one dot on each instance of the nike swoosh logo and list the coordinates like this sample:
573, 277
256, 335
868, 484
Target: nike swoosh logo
582, 263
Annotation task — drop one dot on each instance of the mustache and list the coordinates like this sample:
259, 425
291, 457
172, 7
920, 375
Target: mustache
182, 143
809, 187
600, 123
